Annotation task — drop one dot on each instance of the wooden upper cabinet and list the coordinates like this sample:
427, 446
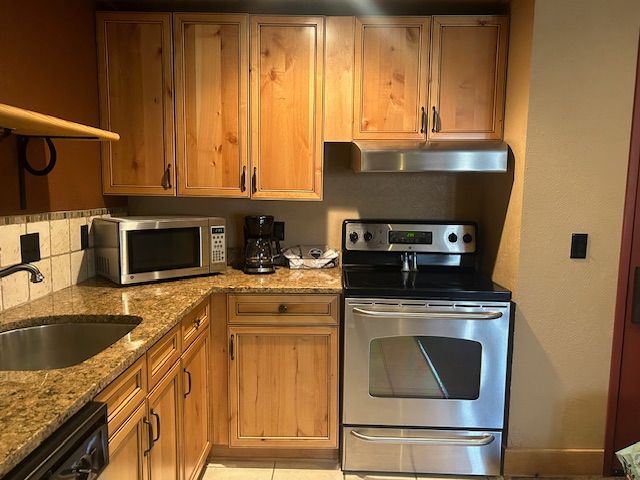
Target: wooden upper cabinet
283, 386
287, 58
136, 101
211, 75
391, 68
468, 70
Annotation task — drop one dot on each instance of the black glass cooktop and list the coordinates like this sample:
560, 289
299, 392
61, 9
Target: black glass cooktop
437, 284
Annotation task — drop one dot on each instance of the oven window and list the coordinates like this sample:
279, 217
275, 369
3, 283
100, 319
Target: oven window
424, 367
165, 249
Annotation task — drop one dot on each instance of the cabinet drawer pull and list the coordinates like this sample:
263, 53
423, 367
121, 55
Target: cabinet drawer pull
188, 382
157, 417
434, 121
243, 179
168, 177
283, 308
254, 180
197, 322
231, 348
149, 436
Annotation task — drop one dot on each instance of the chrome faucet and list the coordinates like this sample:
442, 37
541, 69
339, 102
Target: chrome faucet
36, 276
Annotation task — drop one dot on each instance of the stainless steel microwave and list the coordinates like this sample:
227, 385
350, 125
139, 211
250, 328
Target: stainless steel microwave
144, 249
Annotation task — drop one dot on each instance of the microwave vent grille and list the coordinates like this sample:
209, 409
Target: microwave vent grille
102, 265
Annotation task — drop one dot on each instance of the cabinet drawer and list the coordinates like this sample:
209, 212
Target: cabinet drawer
162, 356
283, 309
124, 394
194, 323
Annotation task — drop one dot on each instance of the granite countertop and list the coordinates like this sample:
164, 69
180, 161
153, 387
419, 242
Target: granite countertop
33, 404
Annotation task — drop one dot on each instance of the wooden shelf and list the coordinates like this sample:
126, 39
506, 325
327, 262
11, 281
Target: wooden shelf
33, 124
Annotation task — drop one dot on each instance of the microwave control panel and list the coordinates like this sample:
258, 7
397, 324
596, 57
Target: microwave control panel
218, 245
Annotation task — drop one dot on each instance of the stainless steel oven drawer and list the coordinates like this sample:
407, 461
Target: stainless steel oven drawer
454, 452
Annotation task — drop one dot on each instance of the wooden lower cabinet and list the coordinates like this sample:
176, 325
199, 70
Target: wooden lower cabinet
165, 402
283, 386
127, 460
195, 407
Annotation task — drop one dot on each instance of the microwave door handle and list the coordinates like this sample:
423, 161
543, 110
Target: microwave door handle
490, 315
460, 440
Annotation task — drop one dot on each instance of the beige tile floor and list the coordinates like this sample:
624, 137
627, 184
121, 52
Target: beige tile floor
325, 470
287, 470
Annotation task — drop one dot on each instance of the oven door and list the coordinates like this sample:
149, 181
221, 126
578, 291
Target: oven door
426, 364
156, 250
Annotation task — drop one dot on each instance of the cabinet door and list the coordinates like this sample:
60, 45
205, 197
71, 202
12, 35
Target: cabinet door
287, 58
391, 68
211, 73
196, 423
468, 77
127, 460
165, 402
283, 386
136, 101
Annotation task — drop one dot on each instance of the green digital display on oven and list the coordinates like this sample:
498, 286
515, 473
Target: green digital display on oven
412, 237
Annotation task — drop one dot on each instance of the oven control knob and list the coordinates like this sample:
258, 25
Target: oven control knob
353, 236
453, 238
467, 238
367, 236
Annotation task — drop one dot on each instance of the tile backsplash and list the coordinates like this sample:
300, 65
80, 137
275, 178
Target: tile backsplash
63, 262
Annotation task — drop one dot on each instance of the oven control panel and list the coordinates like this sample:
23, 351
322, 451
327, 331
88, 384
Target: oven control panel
367, 235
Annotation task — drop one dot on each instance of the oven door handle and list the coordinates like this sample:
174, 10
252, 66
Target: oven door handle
490, 315
460, 440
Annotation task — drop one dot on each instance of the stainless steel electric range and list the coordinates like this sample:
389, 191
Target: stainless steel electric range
426, 351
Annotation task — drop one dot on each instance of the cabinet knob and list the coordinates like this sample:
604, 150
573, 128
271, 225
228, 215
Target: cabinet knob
282, 308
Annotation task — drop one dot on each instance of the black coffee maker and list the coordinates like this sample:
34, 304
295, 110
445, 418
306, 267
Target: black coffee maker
258, 253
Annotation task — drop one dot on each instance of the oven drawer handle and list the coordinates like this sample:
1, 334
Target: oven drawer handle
432, 315
467, 441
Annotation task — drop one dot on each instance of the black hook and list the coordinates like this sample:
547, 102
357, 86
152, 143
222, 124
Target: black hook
23, 164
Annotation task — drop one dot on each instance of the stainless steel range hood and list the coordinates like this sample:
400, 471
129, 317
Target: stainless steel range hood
402, 156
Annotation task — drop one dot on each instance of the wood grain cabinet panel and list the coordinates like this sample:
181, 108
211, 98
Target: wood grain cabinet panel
124, 394
196, 421
287, 59
163, 355
136, 101
195, 323
283, 386
391, 68
468, 77
283, 309
165, 403
211, 74
127, 460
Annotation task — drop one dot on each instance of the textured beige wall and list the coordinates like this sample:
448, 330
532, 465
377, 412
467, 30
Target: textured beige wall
580, 104
507, 238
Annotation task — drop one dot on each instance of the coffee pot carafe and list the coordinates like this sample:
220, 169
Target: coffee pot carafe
258, 252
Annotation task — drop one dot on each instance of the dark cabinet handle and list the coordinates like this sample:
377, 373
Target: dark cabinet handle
149, 436
635, 306
157, 417
168, 177
423, 119
254, 180
231, 348
283, 308
188, 382
243, 179
197, 322
434, 121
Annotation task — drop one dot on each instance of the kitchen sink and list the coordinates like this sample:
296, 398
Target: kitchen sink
61, 341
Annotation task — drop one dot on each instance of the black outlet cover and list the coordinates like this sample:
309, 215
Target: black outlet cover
30, 247
84, 237
278, 230
579, 245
